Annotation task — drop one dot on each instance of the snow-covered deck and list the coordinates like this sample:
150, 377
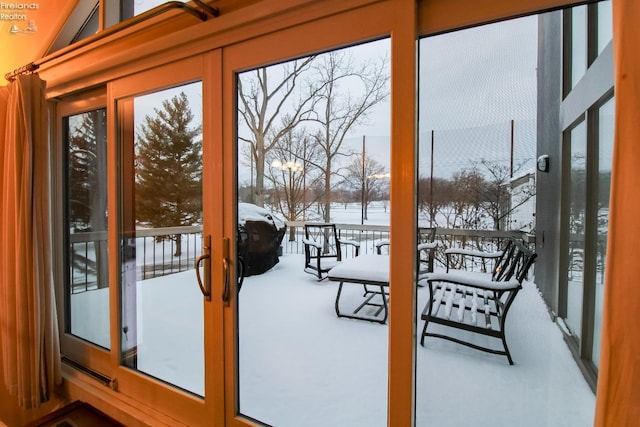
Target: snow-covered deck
301, 365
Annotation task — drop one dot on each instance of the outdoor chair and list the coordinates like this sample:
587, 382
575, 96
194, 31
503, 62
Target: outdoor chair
425, 250
323, 248
476, 301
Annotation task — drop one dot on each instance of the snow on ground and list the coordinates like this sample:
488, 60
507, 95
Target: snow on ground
301, 365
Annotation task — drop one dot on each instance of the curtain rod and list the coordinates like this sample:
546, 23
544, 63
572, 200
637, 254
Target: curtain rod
203, 15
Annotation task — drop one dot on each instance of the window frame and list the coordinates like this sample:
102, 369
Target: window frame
74, 349
175, 402
292, 42
582, 102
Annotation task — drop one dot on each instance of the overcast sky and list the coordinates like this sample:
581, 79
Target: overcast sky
481, 77
473, 82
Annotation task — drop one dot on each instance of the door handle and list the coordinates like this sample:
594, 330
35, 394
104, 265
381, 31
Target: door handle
226, 290
205, 287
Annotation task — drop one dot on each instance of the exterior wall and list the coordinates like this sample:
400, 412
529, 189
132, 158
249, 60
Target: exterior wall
522, 216
548, 185
575, 302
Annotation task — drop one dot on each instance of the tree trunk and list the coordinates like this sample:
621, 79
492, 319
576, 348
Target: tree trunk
327, 193
178, 239
258, 192
99, 202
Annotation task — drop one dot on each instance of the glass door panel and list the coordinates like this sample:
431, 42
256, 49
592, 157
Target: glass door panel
130, 8
313, 144
87, 295
478, 137
161, 235
576, 226
578, 43
606, 115
605, 25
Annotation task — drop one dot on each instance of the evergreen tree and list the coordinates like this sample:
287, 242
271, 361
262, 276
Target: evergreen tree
87, 190
87, 165
169, 168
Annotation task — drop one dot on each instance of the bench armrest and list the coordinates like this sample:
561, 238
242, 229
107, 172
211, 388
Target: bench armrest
382, 242
349, 242
474, 280
473, 254
353, 243
427, 246
469, 252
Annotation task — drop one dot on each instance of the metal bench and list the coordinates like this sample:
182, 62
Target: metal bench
477, 302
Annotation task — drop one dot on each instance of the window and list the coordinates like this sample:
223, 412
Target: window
82, 23
479, 130
161, 236
589, 167
87, 289
606, 116
82, 268
586, 200
90, 26
577, 201
578, 43
302, 160
217, 354
90, 17
129, 8
589, 30
167, 349
605, 25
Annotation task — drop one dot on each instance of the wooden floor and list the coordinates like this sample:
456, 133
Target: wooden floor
76, 414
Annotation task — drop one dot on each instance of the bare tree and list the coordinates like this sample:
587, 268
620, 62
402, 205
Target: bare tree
267, 107
292, 173
337, 108
366, 176
433, 196
468, 186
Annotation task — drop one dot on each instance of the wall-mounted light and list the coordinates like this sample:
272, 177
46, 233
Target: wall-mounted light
543, 163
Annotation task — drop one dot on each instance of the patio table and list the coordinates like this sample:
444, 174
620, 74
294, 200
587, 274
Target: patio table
366, 270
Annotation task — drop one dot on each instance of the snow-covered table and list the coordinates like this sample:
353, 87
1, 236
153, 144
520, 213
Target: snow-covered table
369, 271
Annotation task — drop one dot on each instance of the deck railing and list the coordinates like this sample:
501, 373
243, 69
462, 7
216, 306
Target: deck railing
369, 235
155, 254
156, 251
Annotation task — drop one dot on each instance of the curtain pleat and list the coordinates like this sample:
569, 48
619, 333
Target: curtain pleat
28, 319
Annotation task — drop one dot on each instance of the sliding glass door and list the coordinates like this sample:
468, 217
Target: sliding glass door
163, 240
221, 148
300, 166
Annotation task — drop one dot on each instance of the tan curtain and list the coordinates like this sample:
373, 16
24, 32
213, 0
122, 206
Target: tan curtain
618, 398
28, 321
